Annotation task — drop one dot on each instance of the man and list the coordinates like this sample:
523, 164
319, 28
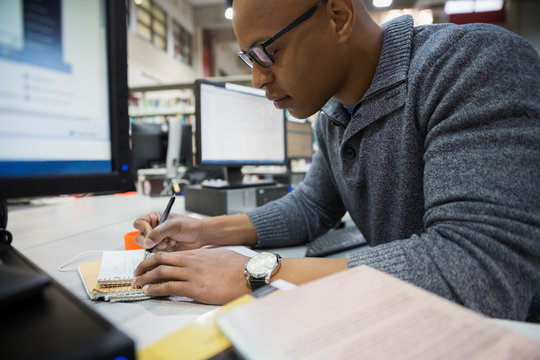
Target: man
429, 137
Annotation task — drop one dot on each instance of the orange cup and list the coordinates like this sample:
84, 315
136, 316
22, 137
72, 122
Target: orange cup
129, 241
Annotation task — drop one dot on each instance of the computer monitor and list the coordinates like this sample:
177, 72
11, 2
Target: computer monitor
64, 126
186, 148
64, 129
299, 140
237, 126
149, 145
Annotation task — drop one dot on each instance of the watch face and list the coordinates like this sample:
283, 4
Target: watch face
262, 264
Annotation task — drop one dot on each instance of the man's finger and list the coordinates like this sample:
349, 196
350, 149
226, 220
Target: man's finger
161, 273
176, 288
161, 258
142, 225
160, 233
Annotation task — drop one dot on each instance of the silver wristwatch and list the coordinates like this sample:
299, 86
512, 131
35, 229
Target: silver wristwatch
260, 268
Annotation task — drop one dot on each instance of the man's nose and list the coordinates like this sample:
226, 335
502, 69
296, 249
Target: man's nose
261, 76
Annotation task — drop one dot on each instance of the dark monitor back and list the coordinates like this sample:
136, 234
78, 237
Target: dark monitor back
149, 145
186, 150
48, 322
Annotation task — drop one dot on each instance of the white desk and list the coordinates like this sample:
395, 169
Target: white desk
50, 235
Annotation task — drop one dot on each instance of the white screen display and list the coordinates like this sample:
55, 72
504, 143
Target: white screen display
54, 109
239, 128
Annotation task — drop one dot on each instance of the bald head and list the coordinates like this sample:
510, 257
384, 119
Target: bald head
265, 16
250, 15
312, 60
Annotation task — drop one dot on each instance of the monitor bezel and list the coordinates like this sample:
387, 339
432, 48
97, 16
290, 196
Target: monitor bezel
120, 179
198, 137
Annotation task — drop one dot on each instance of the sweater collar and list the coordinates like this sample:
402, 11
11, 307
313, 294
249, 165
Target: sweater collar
392, 67
395, 55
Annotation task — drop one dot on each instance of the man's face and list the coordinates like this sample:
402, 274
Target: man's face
304, 74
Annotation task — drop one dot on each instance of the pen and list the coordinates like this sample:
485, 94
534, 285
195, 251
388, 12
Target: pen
161, 221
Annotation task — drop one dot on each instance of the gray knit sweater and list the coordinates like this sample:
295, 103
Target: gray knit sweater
439, 167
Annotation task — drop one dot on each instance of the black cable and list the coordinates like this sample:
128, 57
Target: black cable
3, 214
5, 236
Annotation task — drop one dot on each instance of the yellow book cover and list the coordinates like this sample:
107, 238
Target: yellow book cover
202, 339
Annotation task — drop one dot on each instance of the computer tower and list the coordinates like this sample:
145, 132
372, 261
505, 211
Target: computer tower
215, 201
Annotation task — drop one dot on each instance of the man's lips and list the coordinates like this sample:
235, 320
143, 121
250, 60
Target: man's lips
279, 101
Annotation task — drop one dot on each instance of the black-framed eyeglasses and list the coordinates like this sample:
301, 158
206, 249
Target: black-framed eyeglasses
258, 52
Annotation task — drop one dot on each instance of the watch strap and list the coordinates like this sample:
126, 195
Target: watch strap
256, 283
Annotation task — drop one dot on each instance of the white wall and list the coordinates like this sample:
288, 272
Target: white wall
149, 65
227, 61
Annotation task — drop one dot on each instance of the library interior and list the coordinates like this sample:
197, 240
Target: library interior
149, 105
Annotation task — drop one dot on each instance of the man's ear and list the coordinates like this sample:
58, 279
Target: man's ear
343, 17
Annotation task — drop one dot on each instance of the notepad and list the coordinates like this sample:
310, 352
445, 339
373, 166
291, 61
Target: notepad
110, 279
117, 267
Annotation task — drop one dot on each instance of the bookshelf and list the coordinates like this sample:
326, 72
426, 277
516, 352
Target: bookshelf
157, 102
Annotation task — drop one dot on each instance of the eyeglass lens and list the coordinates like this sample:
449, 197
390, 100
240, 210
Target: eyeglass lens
259, 55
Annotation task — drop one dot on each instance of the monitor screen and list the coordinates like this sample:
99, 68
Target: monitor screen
64, 126
299, 140
236, 126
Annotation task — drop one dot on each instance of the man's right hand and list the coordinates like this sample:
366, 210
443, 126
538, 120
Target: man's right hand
178, 232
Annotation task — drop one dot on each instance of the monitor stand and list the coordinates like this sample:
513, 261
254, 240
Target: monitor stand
234, 180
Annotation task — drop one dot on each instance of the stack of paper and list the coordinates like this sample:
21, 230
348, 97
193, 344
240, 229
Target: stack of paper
362, 313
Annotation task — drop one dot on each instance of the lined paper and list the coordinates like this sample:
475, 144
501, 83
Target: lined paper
362, 313
117, 267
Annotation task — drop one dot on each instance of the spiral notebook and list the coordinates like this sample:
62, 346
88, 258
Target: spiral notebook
110, 279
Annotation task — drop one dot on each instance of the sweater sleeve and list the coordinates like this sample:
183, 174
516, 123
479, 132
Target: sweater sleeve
312, 208
478, 100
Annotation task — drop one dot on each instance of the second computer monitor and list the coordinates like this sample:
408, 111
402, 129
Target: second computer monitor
149, 143
299, 140
237, 126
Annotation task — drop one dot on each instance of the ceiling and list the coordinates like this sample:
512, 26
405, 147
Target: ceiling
206, 2
399, 4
